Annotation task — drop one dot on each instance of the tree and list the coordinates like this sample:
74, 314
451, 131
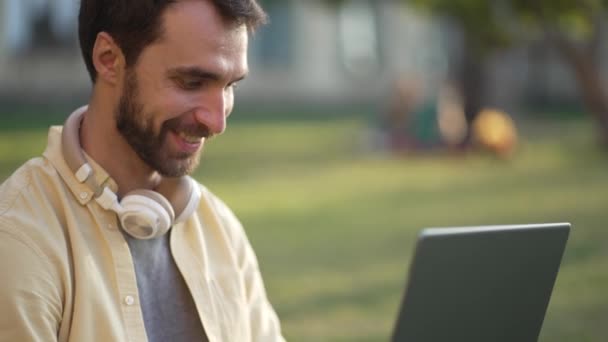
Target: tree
573, 27
482, 35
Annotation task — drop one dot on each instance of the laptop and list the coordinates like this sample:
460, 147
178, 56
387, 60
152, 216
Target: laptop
481, 284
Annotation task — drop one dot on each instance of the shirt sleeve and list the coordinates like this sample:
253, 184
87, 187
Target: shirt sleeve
265, 325
30, 302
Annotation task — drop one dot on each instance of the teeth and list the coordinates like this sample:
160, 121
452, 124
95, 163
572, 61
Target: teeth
192, 139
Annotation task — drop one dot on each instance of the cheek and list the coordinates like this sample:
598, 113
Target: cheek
170, 104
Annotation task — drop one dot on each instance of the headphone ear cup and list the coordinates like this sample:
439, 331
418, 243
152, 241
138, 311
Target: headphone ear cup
146, 214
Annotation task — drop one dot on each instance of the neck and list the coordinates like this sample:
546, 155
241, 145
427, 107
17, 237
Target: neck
101, 140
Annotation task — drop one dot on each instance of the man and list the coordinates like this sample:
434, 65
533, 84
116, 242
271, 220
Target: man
105, 237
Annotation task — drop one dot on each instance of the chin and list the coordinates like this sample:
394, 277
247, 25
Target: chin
179, 168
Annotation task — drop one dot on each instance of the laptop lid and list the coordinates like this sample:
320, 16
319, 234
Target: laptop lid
481, 284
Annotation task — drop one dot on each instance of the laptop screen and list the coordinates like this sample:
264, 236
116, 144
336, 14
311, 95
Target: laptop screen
481, 284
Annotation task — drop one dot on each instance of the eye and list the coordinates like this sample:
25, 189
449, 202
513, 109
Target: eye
189, 83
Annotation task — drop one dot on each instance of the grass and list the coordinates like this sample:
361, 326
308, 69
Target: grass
334, 223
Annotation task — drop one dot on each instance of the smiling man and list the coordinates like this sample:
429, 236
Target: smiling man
106, 237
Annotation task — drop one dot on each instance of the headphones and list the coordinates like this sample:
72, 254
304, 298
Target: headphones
143, 214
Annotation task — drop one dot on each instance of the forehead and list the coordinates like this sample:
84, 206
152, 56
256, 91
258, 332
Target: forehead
195, 33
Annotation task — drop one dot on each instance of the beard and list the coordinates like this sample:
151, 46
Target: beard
150, 146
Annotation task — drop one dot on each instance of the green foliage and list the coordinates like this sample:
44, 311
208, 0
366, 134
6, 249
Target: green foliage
573, 16
478, 19
493, 24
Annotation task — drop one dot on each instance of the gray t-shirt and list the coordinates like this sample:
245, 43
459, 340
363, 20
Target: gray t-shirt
167, 305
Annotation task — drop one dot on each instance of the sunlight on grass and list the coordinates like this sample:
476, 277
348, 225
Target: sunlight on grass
334, 222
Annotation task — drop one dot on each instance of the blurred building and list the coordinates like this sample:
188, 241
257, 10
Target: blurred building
311, 52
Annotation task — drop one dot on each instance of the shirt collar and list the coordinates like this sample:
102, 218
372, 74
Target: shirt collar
54, 154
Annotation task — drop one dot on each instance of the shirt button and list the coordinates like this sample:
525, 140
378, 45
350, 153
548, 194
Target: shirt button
129, 300
110, 226
84, 195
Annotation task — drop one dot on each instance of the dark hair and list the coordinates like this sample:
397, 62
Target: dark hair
134, 24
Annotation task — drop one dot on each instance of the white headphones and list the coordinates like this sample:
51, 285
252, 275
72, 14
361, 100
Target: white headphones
143, 214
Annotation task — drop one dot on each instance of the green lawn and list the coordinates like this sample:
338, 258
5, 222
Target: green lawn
334, 223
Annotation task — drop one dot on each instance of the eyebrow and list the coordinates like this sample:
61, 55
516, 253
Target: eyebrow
199, 73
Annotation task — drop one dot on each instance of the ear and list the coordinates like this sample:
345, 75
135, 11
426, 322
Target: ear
108, 59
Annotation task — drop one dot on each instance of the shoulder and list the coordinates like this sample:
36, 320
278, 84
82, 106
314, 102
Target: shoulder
24, 236
217, 213
31, 177
15, 185
213, 203
30, 207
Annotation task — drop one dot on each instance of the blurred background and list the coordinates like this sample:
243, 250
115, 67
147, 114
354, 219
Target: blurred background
363, 122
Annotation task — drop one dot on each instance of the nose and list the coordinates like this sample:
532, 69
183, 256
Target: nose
212, 112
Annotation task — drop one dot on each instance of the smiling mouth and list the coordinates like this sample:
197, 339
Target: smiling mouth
190, 139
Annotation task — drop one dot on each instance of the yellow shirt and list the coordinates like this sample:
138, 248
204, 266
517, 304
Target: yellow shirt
67, 273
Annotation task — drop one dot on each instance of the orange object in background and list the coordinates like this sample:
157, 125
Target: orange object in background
495, 130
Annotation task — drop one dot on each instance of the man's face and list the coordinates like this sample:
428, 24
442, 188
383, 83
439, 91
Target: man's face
181, 90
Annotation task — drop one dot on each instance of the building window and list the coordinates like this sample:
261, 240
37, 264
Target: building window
358, 37
272, 45
30, 25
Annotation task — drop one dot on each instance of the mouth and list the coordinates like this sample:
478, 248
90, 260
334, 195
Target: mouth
185, 137
187, 144
189, 138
